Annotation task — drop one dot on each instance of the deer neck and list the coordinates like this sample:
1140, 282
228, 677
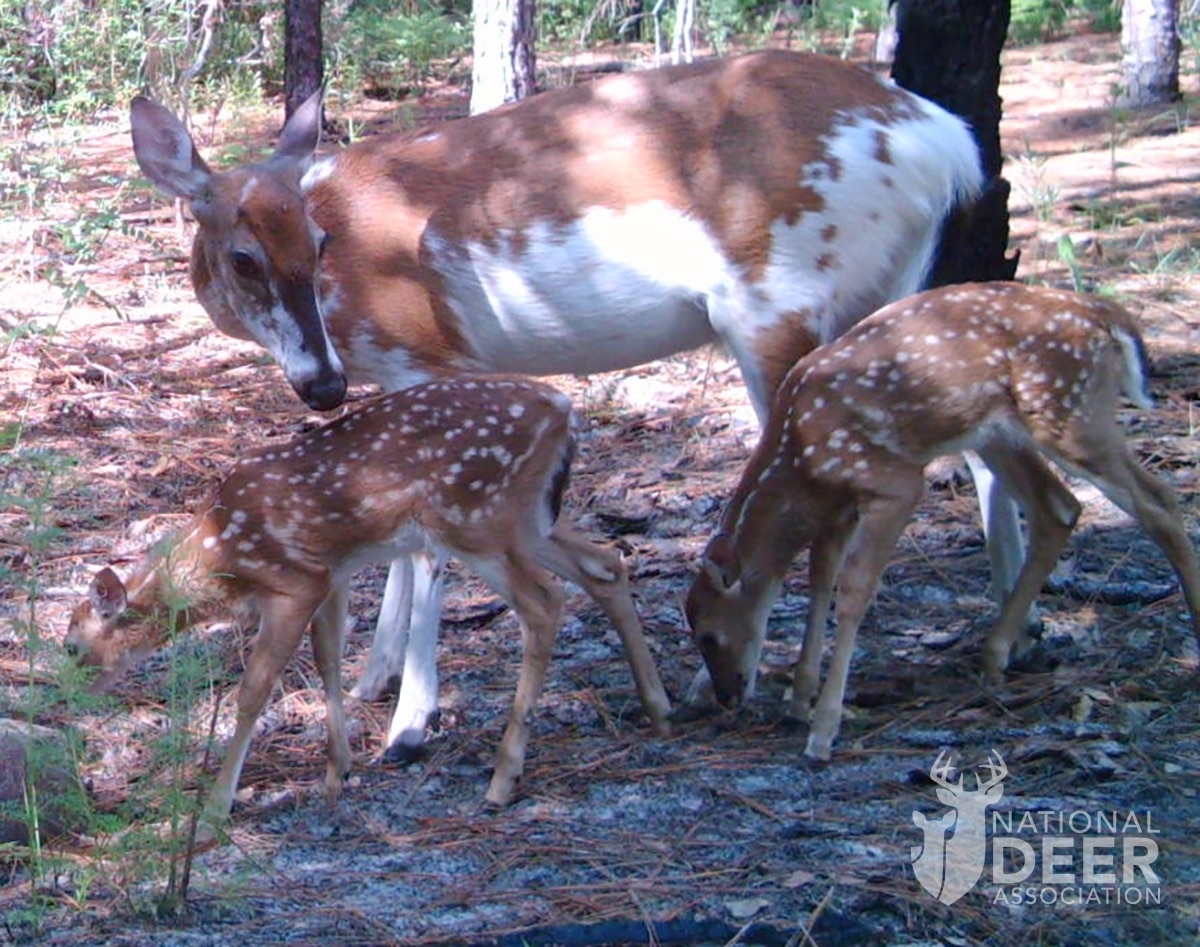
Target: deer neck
772, 515
382, 292
179, 583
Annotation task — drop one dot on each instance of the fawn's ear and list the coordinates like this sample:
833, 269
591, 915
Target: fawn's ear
722, 564
107, 594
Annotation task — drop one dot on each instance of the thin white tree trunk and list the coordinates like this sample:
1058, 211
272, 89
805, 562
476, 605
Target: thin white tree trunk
683, 44
1150, 52
504, 67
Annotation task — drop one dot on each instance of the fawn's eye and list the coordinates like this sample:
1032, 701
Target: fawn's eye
323, 245
244, 264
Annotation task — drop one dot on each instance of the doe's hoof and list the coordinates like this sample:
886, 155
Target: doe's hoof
404, 754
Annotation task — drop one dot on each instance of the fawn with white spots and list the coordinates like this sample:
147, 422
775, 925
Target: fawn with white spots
474, 466
768, 201
1018, 374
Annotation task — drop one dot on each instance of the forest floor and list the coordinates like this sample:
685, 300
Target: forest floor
129, 404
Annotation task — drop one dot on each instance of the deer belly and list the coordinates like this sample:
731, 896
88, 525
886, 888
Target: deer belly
607, 291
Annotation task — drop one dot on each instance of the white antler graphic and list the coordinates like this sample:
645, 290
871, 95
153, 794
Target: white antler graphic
947, 866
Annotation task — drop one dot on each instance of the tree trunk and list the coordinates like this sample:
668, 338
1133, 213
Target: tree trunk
1150, 52
949, 53
303, 68
683, 42
504, 68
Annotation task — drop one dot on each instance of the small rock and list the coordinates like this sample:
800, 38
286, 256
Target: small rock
746, 907
38, 759
798, 878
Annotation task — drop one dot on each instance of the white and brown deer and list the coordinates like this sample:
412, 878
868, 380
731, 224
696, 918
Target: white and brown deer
1017, 374
474, 466
769, 201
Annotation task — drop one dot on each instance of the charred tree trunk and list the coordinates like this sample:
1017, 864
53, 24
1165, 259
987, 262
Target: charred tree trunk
949, 53
303, 67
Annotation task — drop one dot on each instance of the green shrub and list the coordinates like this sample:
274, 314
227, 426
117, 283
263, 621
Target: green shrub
76, 57
1104, 16
1033, 21
380, 45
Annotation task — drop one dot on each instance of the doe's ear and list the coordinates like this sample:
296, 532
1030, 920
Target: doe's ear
302, 132
107, 594
165, 151
721, 563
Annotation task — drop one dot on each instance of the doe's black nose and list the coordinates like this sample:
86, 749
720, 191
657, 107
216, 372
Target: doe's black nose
324, 393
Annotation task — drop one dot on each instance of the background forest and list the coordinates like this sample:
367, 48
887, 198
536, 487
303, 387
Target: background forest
72, 58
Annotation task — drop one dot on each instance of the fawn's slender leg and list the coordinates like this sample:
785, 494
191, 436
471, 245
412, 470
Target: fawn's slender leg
1117, 473
881, 520
283, 622
328, 639
1051, 511
603, 576
538, 603
824, 560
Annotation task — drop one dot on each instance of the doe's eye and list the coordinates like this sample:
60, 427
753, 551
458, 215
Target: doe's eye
244, 264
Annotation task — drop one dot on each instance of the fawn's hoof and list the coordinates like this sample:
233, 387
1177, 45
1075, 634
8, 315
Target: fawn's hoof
819, 747
1045, 655
500, 796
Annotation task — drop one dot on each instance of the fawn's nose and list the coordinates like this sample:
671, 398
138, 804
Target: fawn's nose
72, 649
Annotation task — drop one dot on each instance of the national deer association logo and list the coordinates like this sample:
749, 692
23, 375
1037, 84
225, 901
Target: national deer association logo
1078, 857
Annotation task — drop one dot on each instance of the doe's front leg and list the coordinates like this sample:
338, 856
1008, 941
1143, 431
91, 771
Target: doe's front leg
1050, 511
417, 703
385, 660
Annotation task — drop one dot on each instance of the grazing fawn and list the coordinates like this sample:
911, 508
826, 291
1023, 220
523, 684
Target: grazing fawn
475, 466
768, 201
1010, 371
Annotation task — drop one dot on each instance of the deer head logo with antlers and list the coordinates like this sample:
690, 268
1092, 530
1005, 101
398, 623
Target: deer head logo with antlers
950, 860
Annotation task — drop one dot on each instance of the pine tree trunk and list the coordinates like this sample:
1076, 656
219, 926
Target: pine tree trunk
303, 70
504, 68
1150, 52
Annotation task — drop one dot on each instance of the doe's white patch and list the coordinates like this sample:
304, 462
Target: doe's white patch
610, 289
